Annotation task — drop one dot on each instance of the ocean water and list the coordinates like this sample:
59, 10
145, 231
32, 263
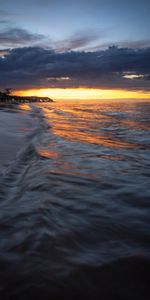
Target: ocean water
75, 204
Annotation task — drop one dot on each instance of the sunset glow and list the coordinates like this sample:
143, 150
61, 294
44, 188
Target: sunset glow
84, 93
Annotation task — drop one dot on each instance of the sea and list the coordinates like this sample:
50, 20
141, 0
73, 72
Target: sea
75, 203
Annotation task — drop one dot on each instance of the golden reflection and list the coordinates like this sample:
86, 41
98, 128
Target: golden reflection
25, 107
46, 153
84, 93
71, 172
69, 133
77, 125
135, 125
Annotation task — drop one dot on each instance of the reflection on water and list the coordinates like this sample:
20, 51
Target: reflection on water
99, 124
74, 210
85, 134
25, 106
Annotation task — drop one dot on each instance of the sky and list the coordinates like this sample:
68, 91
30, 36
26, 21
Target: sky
98, 45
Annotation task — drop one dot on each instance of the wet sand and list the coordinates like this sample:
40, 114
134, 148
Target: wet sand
14, 125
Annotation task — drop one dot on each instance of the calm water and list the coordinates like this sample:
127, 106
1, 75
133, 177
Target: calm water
75, 204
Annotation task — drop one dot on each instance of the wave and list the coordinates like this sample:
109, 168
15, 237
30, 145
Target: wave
65, 233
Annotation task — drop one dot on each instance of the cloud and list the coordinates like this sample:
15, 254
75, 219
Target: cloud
31, 67
4, 17
3, 53
3, 22
78, 40
138, 44
10, 37
14, 37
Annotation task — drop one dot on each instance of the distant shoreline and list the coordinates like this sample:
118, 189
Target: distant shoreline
13, 99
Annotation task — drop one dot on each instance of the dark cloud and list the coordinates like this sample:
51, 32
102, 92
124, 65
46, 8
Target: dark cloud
10, 37
33, 67
138, 44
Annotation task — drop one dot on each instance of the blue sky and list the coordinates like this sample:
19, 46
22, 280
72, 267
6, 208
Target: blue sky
111, 21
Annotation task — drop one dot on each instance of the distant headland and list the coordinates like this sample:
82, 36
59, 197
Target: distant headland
7, 97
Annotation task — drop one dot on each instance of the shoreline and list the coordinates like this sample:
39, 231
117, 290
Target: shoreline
14, 126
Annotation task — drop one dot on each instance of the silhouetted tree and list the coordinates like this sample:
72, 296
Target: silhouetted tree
8, 91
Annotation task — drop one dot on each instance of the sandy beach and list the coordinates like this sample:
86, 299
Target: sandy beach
14, 124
